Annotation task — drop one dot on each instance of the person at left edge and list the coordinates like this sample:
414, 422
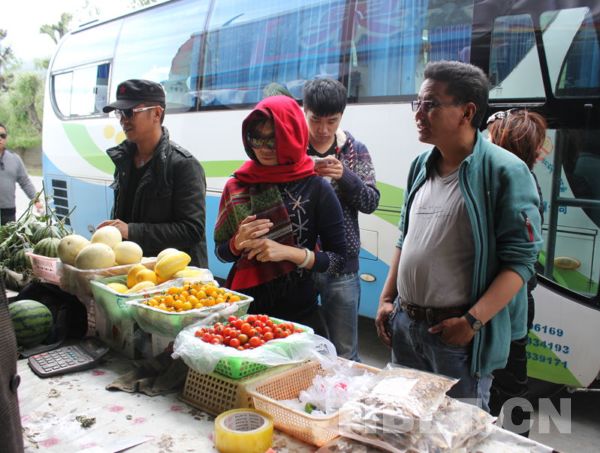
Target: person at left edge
159, 187
12, 171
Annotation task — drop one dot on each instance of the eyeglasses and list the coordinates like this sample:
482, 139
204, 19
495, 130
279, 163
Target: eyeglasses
3, 136
128, 113
261, 142
502, 114
428, 105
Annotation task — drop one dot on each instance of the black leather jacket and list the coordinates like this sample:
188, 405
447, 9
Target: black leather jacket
169, 203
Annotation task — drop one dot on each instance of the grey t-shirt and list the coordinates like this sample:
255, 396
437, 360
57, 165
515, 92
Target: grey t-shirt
436, 264
13, 171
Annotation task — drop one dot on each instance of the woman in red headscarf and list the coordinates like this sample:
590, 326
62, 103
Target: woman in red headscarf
272, 214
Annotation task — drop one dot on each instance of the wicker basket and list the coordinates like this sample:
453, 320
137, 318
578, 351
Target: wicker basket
214, 393
315, 430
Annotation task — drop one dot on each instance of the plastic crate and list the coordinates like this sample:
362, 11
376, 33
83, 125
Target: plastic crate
169, 324
78, 281
239, 367
111, 302
46, 268
315, 430
215, 394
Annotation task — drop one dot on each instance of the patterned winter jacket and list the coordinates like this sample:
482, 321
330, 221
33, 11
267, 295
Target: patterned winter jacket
356, 191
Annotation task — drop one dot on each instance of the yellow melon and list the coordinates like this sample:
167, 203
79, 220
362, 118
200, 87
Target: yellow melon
95, 256
131, 280
70, 246
127, 252
146, 275
108, 235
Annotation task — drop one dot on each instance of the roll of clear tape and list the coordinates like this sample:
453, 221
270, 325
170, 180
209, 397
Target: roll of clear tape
243, 431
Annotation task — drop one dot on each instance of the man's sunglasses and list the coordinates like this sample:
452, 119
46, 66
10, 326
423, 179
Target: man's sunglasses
129, 113
260, 142
3, 136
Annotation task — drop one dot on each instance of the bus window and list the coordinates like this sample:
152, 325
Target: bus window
575, 235
164, 45
514, 61
82, 91
576, 71
251, 44
392, 41
61, 88
86, 46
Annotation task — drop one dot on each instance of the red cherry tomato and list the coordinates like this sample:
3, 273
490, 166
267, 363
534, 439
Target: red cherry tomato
234, 342
268, 336
255, 342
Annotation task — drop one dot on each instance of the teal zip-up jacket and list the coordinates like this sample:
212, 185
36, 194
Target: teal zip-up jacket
502, 203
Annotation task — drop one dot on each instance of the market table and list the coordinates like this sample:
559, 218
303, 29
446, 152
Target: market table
55, 411
75, 413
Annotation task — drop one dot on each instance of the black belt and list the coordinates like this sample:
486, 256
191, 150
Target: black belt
432, 315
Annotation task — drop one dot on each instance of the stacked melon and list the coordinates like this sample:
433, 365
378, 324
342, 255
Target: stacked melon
106, 249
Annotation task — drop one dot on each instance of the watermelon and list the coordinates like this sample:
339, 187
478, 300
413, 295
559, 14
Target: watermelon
47, 247
31, 320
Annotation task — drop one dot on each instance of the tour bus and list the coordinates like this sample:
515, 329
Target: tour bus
215, 57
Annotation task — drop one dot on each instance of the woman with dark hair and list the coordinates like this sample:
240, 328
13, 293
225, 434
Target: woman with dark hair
522, 133
271, 214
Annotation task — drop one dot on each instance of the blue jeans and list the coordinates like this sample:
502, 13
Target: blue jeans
340, 298
413, 346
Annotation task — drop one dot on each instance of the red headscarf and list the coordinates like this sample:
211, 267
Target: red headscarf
291, 142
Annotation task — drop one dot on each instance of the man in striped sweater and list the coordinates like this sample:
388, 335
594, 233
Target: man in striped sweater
346, 162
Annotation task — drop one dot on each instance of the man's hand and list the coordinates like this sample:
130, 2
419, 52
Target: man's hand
266, 250
382, 322
251, 228
119, 224
329, 166
454, 331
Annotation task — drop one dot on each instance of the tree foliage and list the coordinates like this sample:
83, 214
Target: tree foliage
7, 59
21, 110
58, 30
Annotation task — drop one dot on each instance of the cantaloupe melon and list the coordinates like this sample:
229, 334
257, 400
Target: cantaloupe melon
128, 252
70, 246
108, 235
95, 256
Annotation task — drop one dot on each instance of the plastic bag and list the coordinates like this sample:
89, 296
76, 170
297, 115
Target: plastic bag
329, 392
203, 357
499, 440
399, 400
77, 281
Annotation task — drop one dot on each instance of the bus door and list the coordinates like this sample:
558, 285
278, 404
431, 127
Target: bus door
545, 56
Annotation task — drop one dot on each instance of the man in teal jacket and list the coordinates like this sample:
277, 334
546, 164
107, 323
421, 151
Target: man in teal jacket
469, 237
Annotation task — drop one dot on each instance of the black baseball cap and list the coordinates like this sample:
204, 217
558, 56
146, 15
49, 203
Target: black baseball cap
135, 91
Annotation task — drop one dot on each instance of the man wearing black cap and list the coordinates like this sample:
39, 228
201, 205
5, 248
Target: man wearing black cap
159, 187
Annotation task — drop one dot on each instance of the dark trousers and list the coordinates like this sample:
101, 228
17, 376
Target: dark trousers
511, 382
7, 215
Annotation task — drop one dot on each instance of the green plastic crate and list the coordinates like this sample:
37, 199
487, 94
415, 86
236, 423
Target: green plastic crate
238, 367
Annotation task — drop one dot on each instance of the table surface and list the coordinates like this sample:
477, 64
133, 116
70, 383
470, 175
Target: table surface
50, 409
